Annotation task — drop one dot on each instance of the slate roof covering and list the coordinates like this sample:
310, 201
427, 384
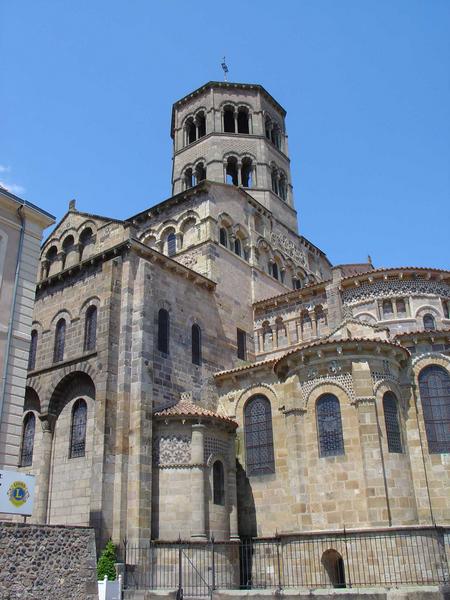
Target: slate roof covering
381, 270
187, 408
246, 367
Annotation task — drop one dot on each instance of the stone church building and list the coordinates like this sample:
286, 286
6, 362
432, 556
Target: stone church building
201, 368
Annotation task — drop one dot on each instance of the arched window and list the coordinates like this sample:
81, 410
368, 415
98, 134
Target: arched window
334, 566
50, 257
171, 244
200, 172
60, 338
275, 135
228, 119
242, 120
163, 331
237, 247
218, 483
223, 237
275, 270
258, 436
232, 171
190, 131
267, 127
201, 124
26, 452
78, 429
90, 328
188, 179
434, 386
246, 172
33, 350
329, 426
68, 246
282, 189
196, 345
390, 409
274, 178
401, 307
86, 239
429, 323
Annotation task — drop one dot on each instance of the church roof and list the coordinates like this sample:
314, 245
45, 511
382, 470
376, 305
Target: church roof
187, 408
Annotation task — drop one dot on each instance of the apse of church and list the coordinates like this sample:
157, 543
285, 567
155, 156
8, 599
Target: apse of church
202, 369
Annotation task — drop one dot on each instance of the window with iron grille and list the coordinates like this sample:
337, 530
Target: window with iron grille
78, 429
171, 244
329, 426
90, 328
196, 345
163, 331
26, 453
428, 322
393, 435
218, 483
259, 455
33, 350
434, 386
60, 337
241, 344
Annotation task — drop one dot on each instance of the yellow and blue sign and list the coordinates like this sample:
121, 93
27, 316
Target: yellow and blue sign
16, 492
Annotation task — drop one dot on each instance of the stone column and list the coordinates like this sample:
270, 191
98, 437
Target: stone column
312, 316
232, 495
43, 475
198, 523
235, 121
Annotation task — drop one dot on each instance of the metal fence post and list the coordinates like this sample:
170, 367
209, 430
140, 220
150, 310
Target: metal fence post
180, 571
213, 565
346, 559
125, 578
277, 541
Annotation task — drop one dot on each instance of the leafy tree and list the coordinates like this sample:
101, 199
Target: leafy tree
105, 564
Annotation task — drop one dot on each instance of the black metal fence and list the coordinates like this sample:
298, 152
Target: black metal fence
340, 559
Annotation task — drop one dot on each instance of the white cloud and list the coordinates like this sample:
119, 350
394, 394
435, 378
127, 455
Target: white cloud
12, 187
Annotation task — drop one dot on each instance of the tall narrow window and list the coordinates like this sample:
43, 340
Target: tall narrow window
401, 307
259, 455
60, 338
90, 328
329, 426
241, 344
218, 483
78, 429
196, 345
434, 386
232, 171
429, 323
237, 247
242, 120
26, 453
387, 309
163, 331
171, 244
390, 408
228, 119
223, 234
33, 350
275, 270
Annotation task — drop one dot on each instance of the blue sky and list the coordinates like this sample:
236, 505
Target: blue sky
87, 88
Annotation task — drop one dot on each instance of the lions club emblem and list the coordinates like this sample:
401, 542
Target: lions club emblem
18, 493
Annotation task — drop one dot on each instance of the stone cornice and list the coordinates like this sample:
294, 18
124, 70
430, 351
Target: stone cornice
406, 273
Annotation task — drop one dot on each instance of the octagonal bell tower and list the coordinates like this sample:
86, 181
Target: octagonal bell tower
234, 133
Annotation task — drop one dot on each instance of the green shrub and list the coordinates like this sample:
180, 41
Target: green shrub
105, 564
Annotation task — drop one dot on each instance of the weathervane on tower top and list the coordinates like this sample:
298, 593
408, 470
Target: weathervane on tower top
225, 69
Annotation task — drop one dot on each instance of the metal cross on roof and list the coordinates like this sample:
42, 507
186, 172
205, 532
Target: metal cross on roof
225, 69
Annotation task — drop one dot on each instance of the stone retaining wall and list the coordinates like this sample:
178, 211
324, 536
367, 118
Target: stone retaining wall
39, 562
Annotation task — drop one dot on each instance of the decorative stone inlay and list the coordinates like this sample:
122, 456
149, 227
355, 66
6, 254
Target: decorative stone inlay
289, 247
379, 376
334, 367
187, 260
171, 450
344, 380
381, 288
215, 446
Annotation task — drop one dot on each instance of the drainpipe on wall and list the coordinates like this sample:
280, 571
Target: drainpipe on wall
13, 309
